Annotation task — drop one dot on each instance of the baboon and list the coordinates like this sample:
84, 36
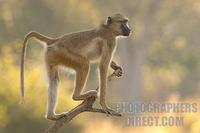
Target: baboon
77, 51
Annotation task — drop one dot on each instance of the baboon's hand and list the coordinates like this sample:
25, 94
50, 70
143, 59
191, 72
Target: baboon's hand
119, 71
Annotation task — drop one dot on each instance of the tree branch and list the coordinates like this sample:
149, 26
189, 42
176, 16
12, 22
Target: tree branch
85, 106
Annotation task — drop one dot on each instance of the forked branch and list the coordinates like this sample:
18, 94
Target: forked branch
85, 106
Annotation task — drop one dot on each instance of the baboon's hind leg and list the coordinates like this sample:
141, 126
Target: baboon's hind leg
81, 65
52, 94
81, 79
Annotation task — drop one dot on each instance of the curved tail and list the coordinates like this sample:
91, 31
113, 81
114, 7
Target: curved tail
40, 37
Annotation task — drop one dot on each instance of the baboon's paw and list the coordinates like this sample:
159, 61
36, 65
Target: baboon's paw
55, 117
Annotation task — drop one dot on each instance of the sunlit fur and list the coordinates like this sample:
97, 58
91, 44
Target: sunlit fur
77, 51
115, 25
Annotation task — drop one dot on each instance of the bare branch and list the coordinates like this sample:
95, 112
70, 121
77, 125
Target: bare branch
85, 106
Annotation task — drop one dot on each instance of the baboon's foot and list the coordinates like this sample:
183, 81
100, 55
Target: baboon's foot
55, 117
107, 110
91, 93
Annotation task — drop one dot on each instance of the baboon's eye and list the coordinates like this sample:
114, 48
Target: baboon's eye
123, 21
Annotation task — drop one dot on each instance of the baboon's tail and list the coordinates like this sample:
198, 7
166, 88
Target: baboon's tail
40, 37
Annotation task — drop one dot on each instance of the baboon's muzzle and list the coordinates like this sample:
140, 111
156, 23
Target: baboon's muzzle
126, 30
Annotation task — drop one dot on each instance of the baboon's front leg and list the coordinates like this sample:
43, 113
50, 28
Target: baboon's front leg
103, 69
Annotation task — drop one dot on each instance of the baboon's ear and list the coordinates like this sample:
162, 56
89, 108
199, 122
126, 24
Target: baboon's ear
109, 20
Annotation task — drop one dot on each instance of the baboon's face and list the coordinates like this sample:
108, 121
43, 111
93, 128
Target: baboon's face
119, 25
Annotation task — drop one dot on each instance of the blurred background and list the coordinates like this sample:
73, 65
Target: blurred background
161, 61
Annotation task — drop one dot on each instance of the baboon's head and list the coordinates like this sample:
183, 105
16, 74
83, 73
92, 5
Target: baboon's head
118, 23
